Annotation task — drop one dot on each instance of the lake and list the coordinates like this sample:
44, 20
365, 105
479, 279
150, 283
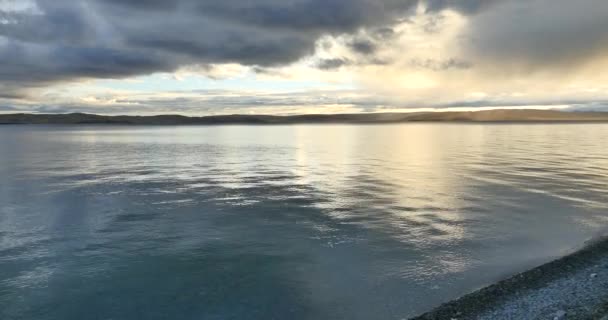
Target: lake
286, 222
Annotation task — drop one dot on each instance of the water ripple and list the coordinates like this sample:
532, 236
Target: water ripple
298, 222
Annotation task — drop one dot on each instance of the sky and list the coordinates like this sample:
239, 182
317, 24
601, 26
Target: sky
205, 57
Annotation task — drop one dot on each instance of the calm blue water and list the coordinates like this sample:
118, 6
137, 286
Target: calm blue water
285, 222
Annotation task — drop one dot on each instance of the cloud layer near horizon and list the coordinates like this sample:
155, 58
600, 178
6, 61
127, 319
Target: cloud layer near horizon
432, 53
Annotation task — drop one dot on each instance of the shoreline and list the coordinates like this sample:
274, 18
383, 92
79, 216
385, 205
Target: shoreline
488, 116
203, 124
571, 287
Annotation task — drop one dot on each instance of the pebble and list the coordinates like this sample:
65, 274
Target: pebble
593, 275
560, 315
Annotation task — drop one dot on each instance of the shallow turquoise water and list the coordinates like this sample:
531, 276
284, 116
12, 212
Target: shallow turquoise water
285, 222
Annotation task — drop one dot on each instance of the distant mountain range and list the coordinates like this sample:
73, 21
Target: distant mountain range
476, 116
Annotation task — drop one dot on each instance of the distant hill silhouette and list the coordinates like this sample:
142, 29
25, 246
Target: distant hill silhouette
475, 116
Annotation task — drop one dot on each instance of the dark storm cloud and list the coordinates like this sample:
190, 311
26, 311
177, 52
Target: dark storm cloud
25, 63
56, 24
65, 39
309, 16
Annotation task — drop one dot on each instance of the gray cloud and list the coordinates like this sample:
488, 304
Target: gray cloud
329, 64
440, 65
363, 46
231, 99
229, 102
64, 39
7, 108
574, 104
540, 34
600, 106
205, 102
468, 7
6, 93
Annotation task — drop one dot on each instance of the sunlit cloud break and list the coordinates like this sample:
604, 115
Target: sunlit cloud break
301, 56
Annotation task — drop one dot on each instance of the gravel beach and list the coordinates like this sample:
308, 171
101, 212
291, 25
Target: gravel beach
573, 287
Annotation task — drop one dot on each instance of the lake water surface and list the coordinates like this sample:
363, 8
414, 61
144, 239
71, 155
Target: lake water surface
285, 222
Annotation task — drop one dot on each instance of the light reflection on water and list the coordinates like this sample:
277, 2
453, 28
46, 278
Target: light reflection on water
285, 222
